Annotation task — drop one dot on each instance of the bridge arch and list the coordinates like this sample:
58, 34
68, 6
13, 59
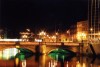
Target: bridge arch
52, 50
3, 47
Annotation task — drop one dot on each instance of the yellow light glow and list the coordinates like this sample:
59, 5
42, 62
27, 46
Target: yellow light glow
78, 64
44, 49
44, 60
24, 36
42, 33
56, 33
0, 54
91, 29
17, 46
53, 37
81, 36
84, 65
17, 61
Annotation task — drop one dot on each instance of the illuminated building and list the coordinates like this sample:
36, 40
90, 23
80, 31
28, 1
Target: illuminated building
89, 28
27, 35
79, 31
93, 18
64, 38
24, 36
82, 30
3, 33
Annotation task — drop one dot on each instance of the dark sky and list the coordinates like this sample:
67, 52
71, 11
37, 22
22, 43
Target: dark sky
17, 15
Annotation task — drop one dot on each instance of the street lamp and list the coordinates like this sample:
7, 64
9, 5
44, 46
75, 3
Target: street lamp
56, 35
68, 32
91, 30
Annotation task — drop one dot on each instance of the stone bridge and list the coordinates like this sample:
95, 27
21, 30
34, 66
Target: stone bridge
41, 47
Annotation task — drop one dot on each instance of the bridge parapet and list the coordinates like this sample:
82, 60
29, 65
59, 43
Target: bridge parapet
7, 43
40, 43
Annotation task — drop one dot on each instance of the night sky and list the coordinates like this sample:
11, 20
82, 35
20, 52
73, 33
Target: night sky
48, 15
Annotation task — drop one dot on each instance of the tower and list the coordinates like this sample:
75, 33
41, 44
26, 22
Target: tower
94, 18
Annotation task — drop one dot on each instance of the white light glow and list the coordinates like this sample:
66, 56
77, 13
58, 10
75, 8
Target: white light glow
11, 40
38, 40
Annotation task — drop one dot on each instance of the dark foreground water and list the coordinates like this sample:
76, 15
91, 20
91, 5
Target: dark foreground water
24, 58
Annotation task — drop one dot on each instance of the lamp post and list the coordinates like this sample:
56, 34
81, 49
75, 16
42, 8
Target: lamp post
56, 36
91, 30
68, 32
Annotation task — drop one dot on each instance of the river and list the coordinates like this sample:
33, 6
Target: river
8, 59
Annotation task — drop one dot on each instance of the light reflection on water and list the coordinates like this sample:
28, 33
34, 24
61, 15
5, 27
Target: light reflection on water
8, 53
44, 61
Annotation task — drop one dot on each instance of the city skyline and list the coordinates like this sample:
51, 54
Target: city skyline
17, 15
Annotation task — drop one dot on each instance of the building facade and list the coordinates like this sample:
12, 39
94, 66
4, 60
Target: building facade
79, 31
91, 27
94, 18
82, 30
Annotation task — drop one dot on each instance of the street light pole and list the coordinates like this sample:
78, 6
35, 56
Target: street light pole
91, 30
56, 36
68, 32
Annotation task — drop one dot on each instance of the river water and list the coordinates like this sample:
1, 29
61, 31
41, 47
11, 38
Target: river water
8, 59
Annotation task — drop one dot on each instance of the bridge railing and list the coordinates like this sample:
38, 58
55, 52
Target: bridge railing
40, 43
9, 43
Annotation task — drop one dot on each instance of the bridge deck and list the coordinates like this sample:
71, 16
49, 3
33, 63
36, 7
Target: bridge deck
39, 43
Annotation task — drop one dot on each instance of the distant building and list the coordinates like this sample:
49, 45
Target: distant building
82, 30
3, 34
79, 31
89, 29
27, 35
